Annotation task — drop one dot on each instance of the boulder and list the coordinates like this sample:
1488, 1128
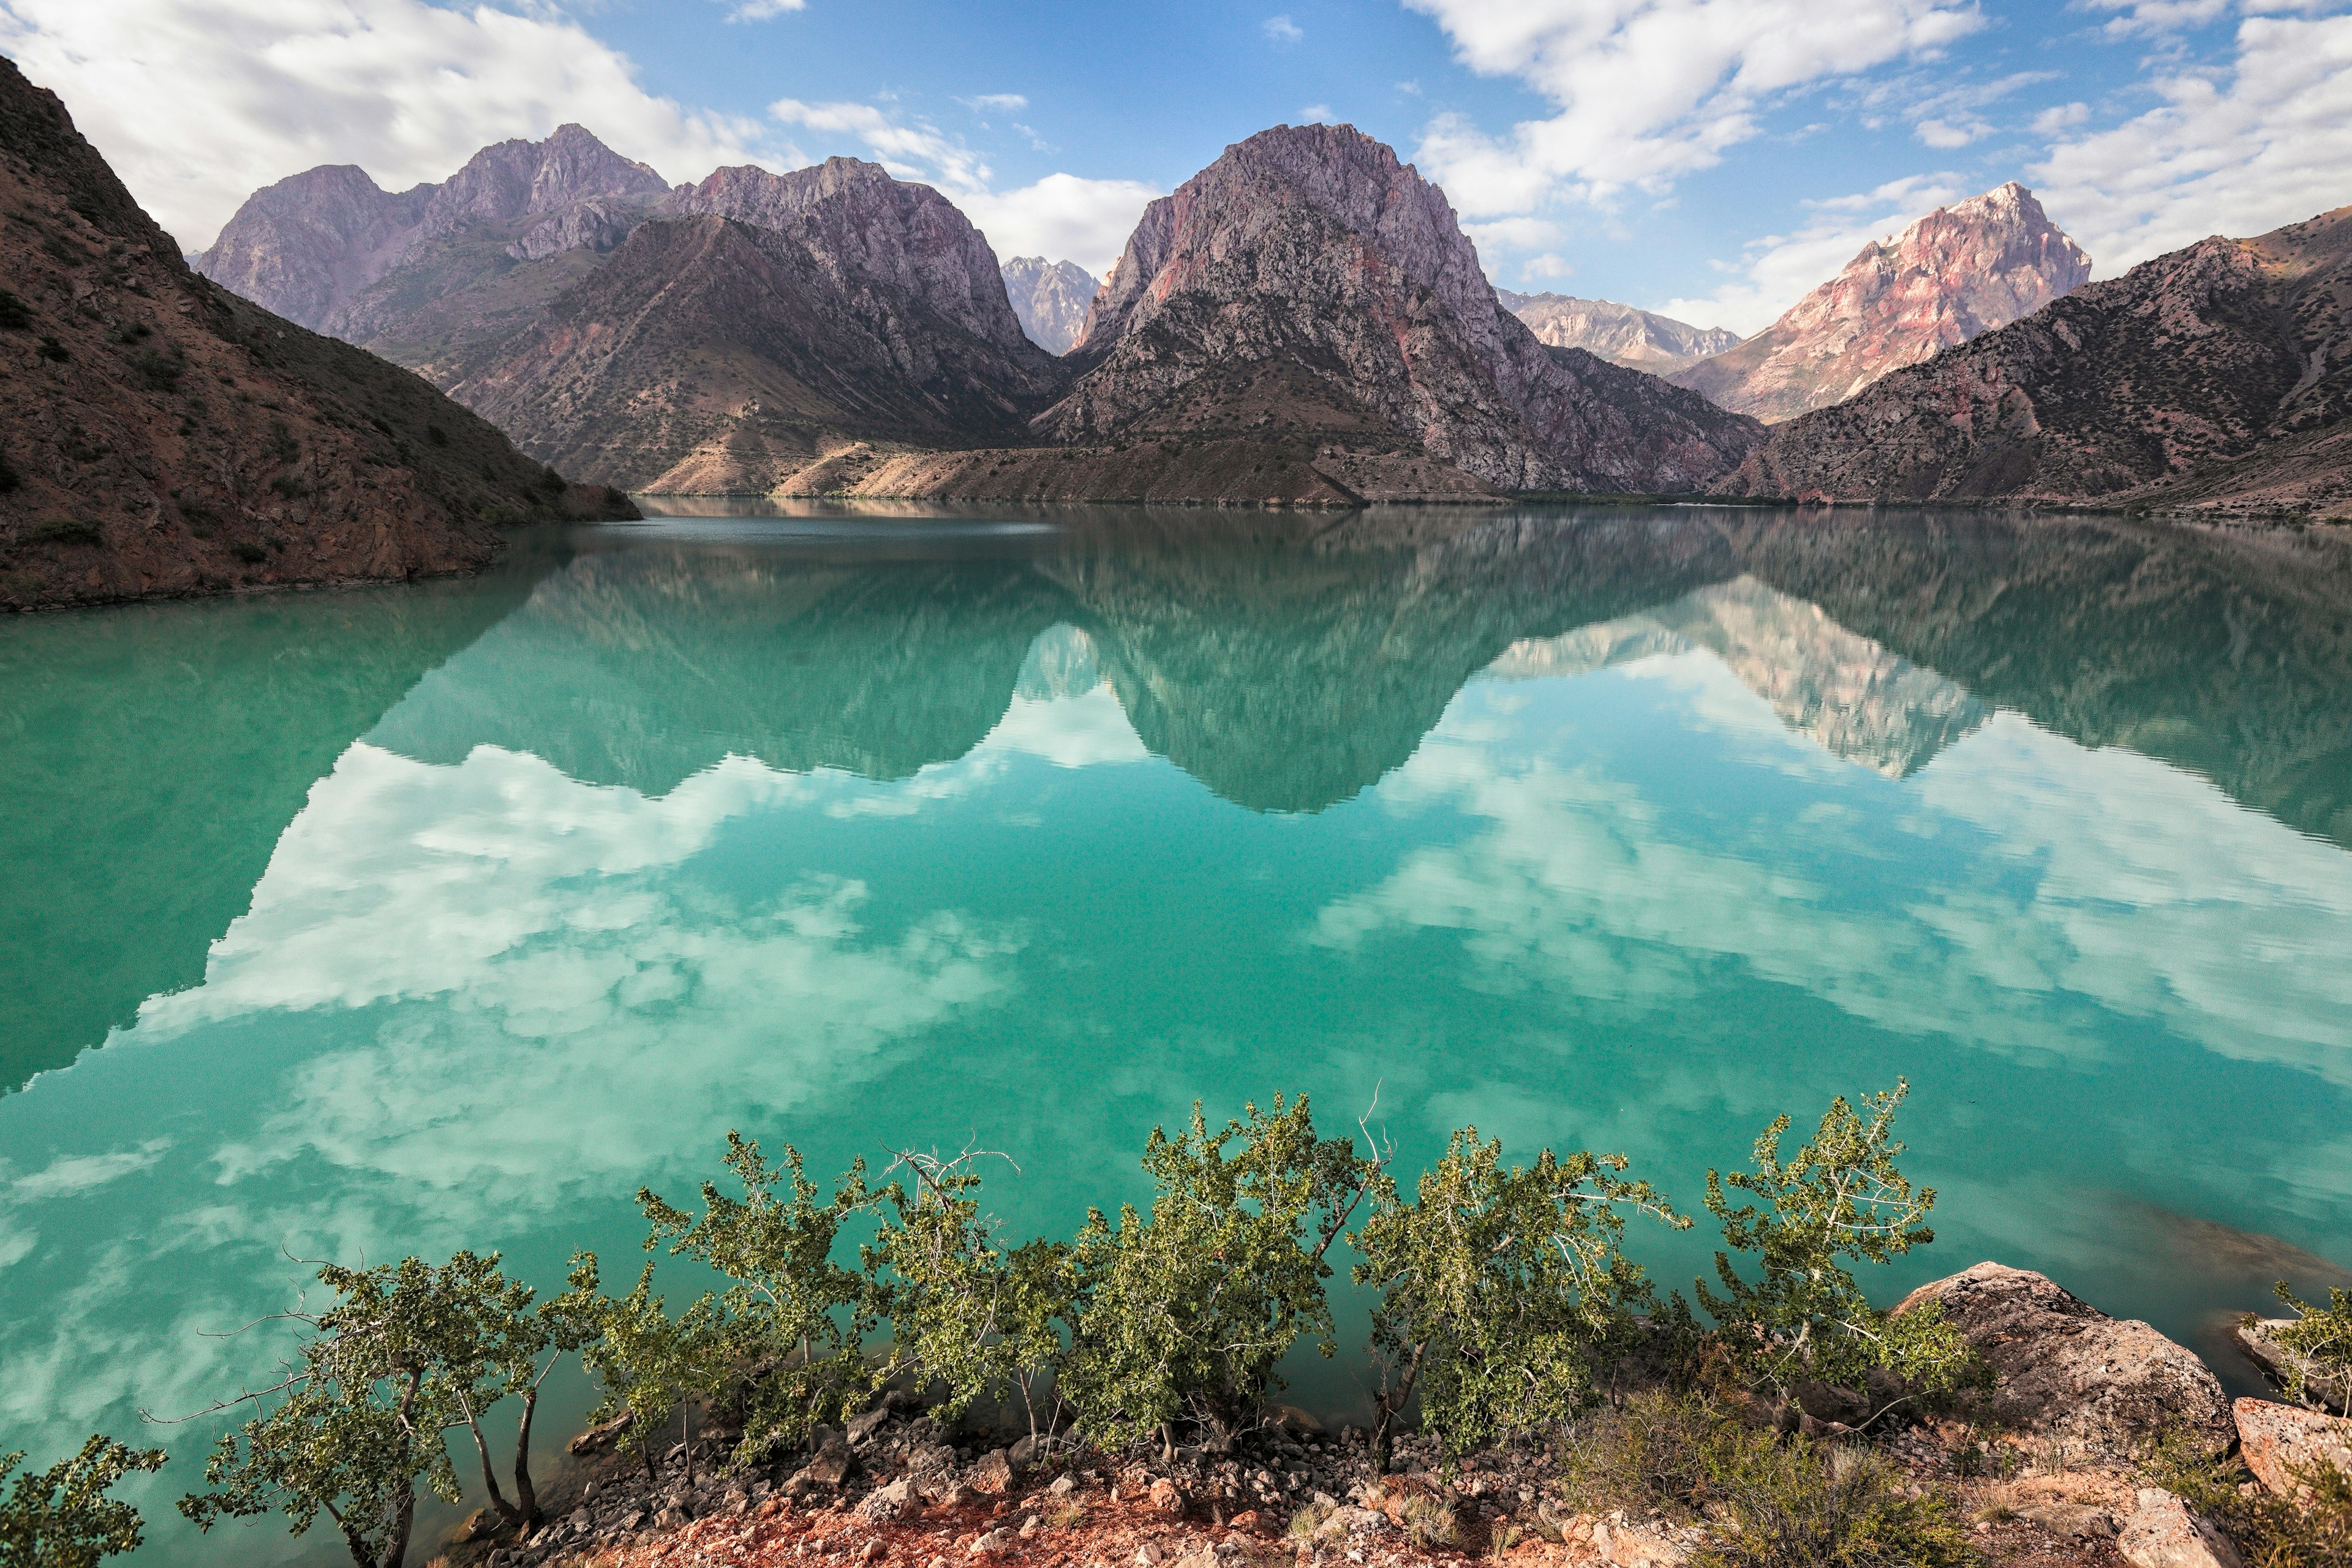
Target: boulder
2074, 1521
1022, 1454
861, 1427
992, 1472
596, 1439
2064, 1368
2163, 1533
890, 1501
1165, 1497
2286, 1370
2276, 1440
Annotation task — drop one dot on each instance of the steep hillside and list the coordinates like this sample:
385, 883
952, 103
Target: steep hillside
1307, 288
709, 355
1639, 340
1051, 298
158, 436
2218, 376
1958, 272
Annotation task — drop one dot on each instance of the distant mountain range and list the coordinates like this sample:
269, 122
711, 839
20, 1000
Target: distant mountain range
2217, 377
1960, 271
163, 436
1051, 300
1638, 340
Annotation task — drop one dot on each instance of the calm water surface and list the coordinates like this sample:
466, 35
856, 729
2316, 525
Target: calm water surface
355, 925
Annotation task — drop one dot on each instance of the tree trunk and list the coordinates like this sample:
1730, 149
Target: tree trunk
526, 1494
505, 1509
396, 1547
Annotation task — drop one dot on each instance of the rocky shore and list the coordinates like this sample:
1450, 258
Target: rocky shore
2057, 1461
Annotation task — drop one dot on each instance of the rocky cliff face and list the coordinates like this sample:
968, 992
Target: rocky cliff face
1960, 271
1639, 340
329, 249
1051, 298
713, 354
158, 436
1307, 288
2218, 376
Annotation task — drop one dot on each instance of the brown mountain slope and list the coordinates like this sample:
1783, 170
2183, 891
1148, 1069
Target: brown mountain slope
708, 355
1310, 253
2218, 376
161, 436
1958, 272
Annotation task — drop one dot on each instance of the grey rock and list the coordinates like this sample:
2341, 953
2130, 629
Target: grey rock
2064, 1368
1638, 340
862, 1427
2074, 1521
2162, 1532
1050, 298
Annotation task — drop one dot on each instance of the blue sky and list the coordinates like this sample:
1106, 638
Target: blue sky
1713, 158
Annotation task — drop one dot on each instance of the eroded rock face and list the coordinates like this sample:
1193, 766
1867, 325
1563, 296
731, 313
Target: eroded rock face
1051, 298
315, 246
2217, 377
2162, 1532
164, 437
1958, 272
2065, 1370
1638, 340
2277, 1440
1307, 286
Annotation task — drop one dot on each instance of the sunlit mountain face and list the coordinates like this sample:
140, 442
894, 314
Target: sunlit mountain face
1618, 830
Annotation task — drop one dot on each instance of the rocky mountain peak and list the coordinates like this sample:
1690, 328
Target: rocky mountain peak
1621, 334
1051, 298
520, 178
1308, 285
1957, 273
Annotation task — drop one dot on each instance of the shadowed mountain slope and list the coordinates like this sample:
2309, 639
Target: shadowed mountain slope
162, 436
2218, 376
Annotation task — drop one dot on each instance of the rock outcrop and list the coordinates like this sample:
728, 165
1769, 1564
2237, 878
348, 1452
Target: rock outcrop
328, 249
1051, 298
158, 436
2278, 1441
2217, 378
2064, 1368
1307, 288
1638, 340
1958, 272
2161, 1531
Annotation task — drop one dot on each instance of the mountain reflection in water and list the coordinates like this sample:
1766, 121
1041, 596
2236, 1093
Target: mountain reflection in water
448, 917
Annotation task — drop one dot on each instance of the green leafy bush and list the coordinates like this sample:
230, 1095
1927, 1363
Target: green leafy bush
792, 1311
1183, 1316
1500, 1288
1840, 1199
648, 1363
2322, 1337
61, 1517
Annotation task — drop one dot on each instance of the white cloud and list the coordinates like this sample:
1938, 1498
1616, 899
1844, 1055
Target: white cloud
1777, 269
1317, 114
1648, 89
1942, 135
1546, 266
199, 103
2140, 18
1061, 217
995, 102
765, 10
2064, 116
2238, 151
1283, 30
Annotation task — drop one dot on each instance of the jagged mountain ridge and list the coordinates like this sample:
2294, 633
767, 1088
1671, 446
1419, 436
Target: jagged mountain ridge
160, 435
1621, 334
1051, 300
1955, 274
2218, 376
1311, 254
316, 248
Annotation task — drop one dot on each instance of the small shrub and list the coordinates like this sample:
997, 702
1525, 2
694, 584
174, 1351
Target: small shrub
10, 478
282, 442
133, 332
250, 553
2322, 1337
1652, 1452
160, 372
14, 314
53, 350
1794, 1506
2311, 1531
64, 249
65, 531
436, 436
289, 487
1431, 1521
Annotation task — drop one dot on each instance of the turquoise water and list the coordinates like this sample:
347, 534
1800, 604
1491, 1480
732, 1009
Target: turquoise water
356, 925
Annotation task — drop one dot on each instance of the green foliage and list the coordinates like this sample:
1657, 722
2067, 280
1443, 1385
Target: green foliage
1184, 1316
1797, 1505
967, 1314
65, 531
2322, 1337
2312, 1530
792, 1311
1841, 1198
1651, 1452
1500, 1287
61, 1517
647, 1363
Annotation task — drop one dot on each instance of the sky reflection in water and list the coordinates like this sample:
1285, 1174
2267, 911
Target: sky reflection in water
1619, 830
